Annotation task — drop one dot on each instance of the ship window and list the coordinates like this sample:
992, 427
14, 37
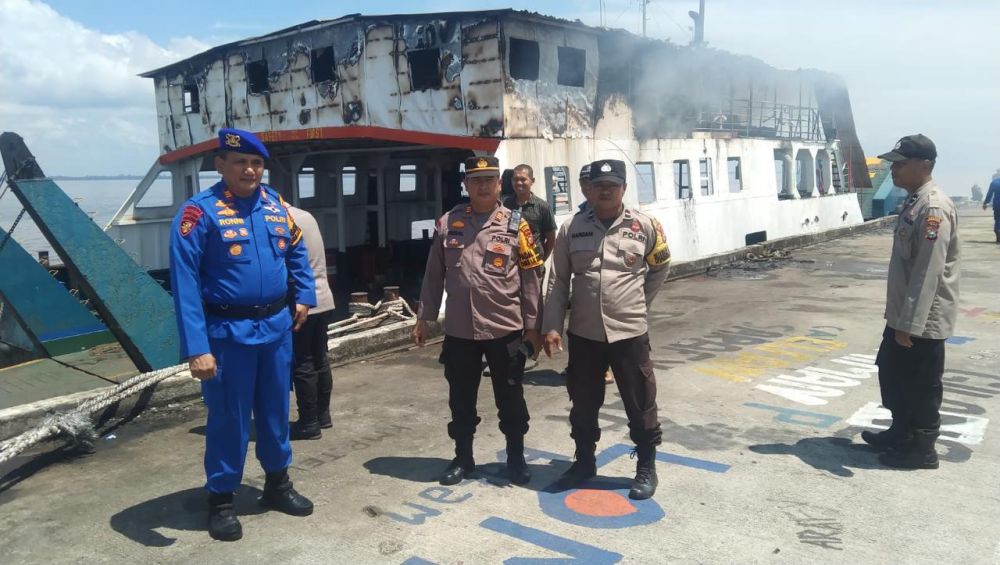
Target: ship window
557, 188
682, 179
572, 66
257, 75
735, 174
322, 65
159, 193
408, 178
307, 183
646, 180
349, 181
524, 59
191, 102
705, 168
425, 68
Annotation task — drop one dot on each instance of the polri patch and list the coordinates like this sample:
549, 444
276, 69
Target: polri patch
190, 218
932, 225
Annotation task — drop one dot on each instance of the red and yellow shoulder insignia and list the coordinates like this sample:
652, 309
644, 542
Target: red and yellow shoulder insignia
190, 218
660, 255
932, 225
529, 255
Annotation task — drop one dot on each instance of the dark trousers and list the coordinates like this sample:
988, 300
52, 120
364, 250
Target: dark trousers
910, 381
629, 359
463, 368
311, 373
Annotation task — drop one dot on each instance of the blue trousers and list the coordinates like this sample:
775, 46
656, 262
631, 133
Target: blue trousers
996, 218
250, 379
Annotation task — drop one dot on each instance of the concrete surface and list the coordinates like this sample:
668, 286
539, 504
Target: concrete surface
764, 381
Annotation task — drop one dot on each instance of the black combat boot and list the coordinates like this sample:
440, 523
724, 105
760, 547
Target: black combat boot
583, 469
897, 435
279, 495
304, 429
919, 454
223, 524
517, 467
644, 485
462, 466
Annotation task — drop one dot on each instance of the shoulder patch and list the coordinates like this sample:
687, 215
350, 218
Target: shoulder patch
660, 255
189, 219
932, 225
529, 256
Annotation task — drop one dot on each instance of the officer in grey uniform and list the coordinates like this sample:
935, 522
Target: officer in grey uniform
920, 312
616, 260
485, 257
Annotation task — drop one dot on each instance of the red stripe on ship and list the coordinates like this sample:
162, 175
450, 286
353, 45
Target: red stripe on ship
347, 132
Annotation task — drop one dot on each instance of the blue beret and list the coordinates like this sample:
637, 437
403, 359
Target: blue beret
240, 141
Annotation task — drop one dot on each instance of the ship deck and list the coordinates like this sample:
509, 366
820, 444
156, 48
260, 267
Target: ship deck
755, 466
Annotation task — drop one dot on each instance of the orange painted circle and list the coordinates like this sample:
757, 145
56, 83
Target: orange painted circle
599, 503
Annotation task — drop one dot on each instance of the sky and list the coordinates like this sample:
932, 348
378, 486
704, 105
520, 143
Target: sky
69, 84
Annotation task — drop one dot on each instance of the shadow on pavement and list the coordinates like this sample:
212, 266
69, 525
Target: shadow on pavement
544, 377
429, 469
186, 510
835, 455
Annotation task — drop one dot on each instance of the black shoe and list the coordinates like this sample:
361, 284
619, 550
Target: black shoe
279, 495
578, 473
917, 454
299, 430
325, 422
457, 471
223, 524
644, 485
909, 459
517, 468
886, 439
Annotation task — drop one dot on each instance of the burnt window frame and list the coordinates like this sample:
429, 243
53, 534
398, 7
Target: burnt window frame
521, 67
735, 175
422, 58
682, 172
645, 170
323, 58
190, 99
258, 77
567, 56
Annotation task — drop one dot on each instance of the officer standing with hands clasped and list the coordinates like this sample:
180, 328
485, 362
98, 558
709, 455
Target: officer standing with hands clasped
617, 259
232, 250
920, 311
484, 257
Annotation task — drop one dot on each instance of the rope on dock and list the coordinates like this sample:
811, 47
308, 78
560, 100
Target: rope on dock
76, 424
370, 316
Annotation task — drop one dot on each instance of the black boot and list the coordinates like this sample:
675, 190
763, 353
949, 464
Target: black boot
918, 454
644, 485
223, 524
462, 466
517, 467
583, 469
304, 430
896, 436
279, 495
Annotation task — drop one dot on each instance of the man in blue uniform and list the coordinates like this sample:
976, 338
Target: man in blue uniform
233, 250
993, 194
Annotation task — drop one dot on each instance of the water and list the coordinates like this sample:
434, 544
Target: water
100, 199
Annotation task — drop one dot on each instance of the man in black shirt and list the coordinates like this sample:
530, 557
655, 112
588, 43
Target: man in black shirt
534, 210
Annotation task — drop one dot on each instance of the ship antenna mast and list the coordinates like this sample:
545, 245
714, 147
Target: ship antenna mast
699, 24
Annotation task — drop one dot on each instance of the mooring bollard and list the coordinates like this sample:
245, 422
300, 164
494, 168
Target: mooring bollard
391, 294
359, 304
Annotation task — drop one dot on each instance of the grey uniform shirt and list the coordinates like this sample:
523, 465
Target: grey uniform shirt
317, 258
490, 273
615, 272
922, 293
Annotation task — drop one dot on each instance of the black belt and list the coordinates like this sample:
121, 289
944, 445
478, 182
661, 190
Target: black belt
243, 311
